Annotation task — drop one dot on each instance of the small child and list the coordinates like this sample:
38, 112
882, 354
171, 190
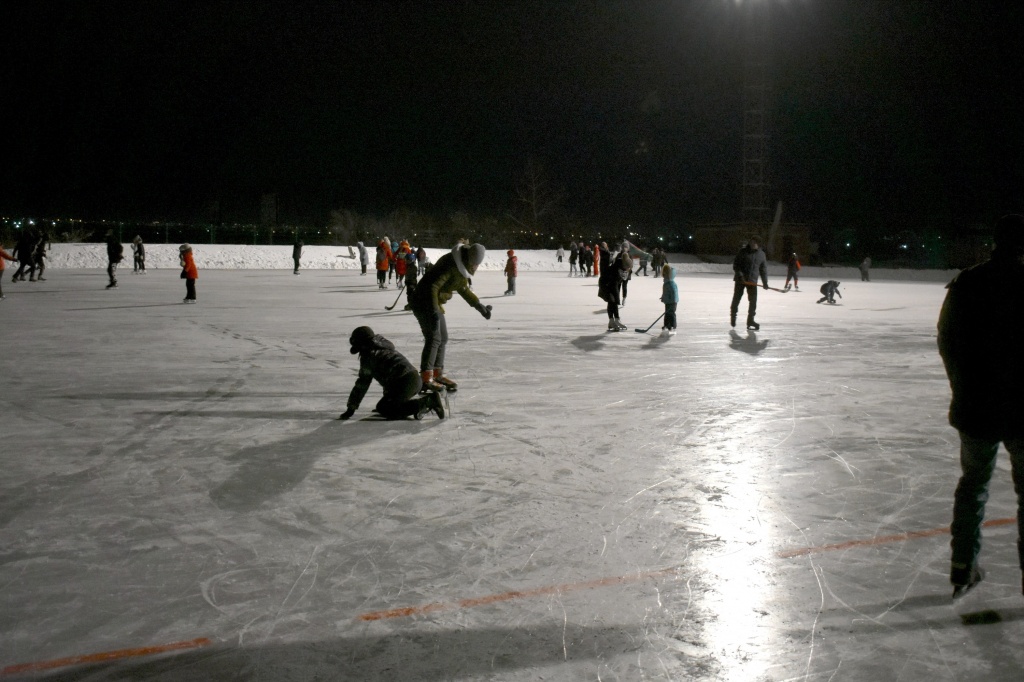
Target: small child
189, 273
792, 270
511, 271
411, 277
670, 297
830, 290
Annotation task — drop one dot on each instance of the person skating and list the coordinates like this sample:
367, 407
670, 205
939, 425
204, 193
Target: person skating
609, 285
24, 250
39, 254
670, 297
792, 272
448, 276
511, 272
643, 264
363, 257
986, 371
296, 255
4, 256
624, 264
829, 290
749, 265
189, 272
380, 361
411, 278
115, 254
865, 269
573, 255
383, 262
138, 255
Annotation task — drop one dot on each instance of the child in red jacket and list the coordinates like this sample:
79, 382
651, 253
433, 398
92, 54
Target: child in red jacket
189, 273
4, 256
511, 271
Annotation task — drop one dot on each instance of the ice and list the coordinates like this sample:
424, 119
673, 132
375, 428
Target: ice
717, 505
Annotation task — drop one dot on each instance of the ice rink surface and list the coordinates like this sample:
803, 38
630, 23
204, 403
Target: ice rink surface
179, 501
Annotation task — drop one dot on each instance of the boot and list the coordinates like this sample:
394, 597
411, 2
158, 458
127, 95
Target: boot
428, 381
966, 577
732, 319
612, 327
432, 402
440, 378
618, 323
752, 325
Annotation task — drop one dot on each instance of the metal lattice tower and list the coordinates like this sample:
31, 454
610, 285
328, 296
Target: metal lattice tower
754, 208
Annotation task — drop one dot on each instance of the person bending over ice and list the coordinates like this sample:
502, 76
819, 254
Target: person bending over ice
829, 291
378, 360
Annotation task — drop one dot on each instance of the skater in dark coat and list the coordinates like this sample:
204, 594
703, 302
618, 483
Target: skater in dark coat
450, 275
296, 255
24, 252
115, 254
865, 269
378, 360
986, 371
829, 290
749, 265
139, 255
792, 272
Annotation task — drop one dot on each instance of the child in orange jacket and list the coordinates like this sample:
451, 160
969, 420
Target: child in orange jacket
511, 272
189, 272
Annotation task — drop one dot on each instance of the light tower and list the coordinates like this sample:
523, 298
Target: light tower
754, 203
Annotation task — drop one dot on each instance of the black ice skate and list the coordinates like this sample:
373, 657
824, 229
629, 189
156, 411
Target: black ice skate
965, 579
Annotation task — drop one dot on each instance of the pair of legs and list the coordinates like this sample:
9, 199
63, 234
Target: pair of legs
435, 338
737, 293
296, 270
381, 276
190, 289
643, 267
977, 462
670, 316
111, 269
29, 263
362, 267
511, 290
793, 276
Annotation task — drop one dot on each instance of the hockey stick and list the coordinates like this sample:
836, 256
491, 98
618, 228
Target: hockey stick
781, 291
644, 331
391, 307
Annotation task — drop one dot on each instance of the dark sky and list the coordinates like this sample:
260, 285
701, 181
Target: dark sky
884, 112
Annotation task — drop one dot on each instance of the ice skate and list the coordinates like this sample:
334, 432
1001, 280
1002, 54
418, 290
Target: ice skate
112, 284
612, 327
428, 382
752, 325
448, 384
432, 402
965, 579
732, 319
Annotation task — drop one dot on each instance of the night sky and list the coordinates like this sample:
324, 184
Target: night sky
884, 113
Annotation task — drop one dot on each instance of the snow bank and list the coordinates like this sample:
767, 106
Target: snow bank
279, 257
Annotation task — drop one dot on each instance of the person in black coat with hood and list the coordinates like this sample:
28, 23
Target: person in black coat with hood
749, 265
980, 338
378, 360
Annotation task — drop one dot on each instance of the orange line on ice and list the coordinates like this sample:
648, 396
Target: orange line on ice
883, 539
514, 594
103, 656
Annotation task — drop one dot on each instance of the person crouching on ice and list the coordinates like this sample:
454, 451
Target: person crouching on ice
378, 360
829, 290
448, 276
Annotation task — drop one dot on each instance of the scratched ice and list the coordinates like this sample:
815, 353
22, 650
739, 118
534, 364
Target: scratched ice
180, 503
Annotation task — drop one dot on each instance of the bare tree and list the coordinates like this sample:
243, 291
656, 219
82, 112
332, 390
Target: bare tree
536, 197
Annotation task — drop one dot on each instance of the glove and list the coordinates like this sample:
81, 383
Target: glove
485, 310
347, 414
764, 286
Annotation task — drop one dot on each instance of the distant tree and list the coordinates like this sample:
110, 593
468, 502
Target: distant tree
536, 198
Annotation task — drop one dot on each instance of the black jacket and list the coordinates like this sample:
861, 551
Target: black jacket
378, 361
980, 341
750, 264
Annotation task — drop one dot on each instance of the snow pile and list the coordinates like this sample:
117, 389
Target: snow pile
279, 257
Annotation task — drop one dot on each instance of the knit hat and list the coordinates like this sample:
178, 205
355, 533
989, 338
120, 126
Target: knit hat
360, 338
184, 247
469, 258
510, 252
1010, 233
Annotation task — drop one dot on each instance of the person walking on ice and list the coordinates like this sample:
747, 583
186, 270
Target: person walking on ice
380, 361
189, 272
511, 272
748, 265
829, 291
670, 297
792, 272
985, 368
448, 276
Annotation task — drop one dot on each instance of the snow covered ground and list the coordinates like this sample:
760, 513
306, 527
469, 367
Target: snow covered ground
179, 501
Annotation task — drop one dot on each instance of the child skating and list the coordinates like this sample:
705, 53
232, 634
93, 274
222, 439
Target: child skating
189, 272
830, 290
670, 297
